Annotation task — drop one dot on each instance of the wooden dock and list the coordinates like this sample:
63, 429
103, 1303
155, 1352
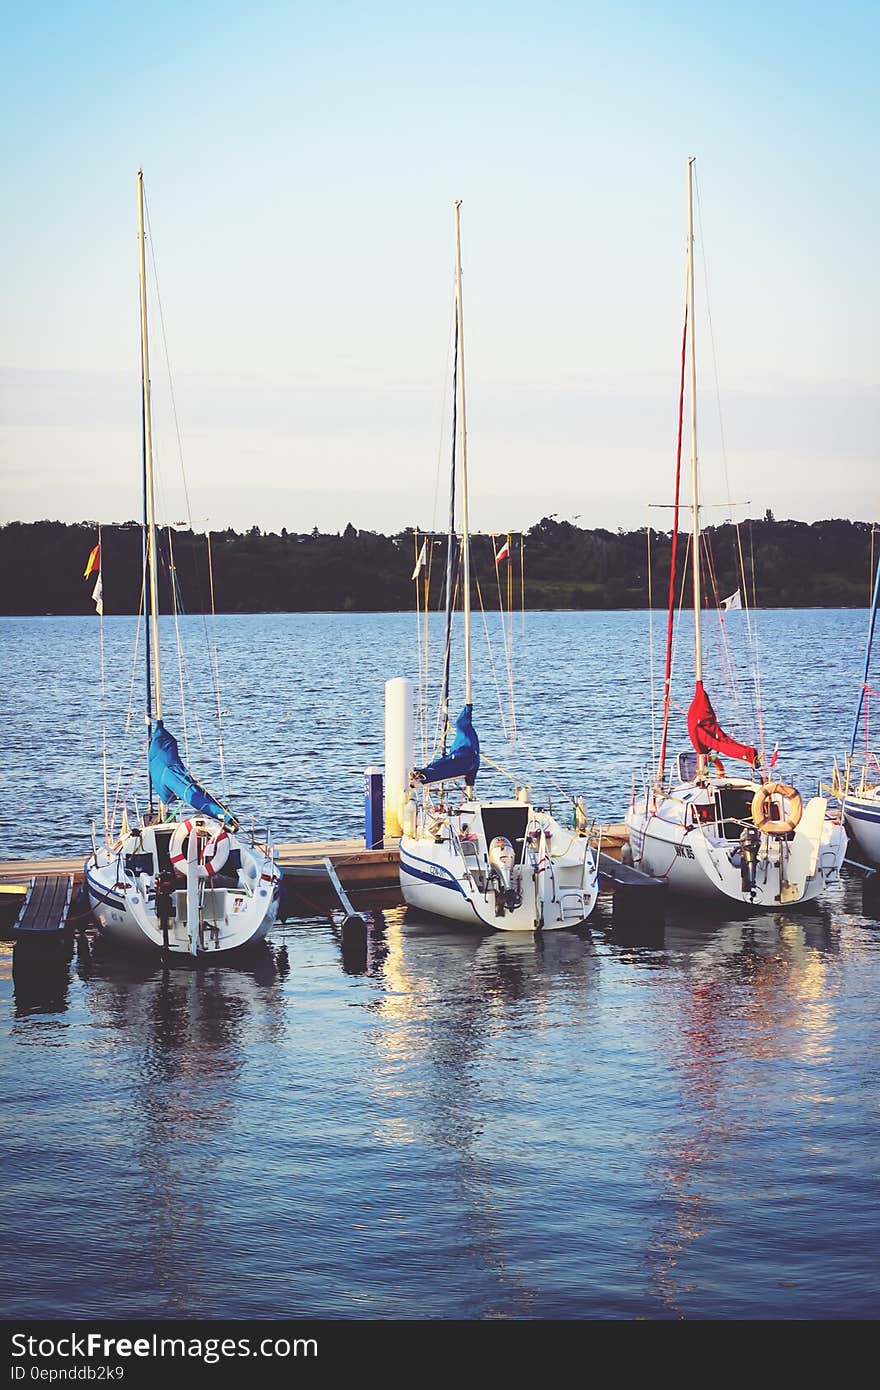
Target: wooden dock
306, 882
357, 866
44, 908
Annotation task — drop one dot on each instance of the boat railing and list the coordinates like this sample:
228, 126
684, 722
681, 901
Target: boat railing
470, 858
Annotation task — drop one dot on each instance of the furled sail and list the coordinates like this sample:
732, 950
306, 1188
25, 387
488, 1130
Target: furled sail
171, 778
707, 734
464, 758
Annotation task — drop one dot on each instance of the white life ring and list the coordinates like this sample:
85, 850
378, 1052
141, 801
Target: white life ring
216, 853
213, 849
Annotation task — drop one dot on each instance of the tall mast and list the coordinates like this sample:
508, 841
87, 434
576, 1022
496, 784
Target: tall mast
695, 498
465, 526
150, 508
450, 546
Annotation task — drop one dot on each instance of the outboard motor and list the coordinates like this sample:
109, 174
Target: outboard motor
165, 888
749, 844
502, 860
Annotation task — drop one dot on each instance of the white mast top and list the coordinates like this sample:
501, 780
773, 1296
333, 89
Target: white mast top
148, 458
695, 499
465, 528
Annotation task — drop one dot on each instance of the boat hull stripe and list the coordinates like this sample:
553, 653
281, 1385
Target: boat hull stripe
440, 878
98, 892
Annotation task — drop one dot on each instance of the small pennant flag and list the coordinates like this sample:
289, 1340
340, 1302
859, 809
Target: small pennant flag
420, 562
503, 553
93, 562
735, 601
98, 596
774, 755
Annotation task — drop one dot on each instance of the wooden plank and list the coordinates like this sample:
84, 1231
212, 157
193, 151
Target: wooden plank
44, 912
355, 864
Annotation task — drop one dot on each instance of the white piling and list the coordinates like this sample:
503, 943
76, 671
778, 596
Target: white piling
398, 749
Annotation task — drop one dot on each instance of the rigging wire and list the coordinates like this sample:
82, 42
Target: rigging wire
419, 653
651, 650
210, 639
173, 577
130, 713
453, 557
510, 632
756, 674
506, 635
667, 678
103, 687
750, 610
522, 582
216, 667
491, 656
726, 658
167, 360
429, 577
453, 330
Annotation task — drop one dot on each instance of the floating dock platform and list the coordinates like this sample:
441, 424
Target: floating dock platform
307, 886
43, 907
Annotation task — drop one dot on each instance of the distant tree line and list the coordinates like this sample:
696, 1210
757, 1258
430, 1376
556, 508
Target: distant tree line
787, 563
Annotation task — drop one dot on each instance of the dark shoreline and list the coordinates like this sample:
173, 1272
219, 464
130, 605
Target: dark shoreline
558, 567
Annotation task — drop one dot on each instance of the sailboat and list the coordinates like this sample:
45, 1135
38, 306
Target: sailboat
858, 790
184, 882
503, 864
707, 833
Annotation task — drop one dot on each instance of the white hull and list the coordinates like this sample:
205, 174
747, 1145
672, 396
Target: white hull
445, 869
862, 820
235, 910
703, 859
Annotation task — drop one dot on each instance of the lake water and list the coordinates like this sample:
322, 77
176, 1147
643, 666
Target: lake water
432, 1123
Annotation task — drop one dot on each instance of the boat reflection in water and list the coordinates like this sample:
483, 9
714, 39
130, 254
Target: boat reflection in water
454, 1085
747, 1041
41, 975
182, 1039
416, 1121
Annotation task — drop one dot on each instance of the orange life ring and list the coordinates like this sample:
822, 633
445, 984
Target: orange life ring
777, 808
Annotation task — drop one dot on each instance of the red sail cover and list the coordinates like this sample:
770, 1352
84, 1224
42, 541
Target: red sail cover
707, 734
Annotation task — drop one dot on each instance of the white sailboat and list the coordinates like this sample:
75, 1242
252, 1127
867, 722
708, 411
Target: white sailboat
858, 788
188, 883
706, 833
503, 864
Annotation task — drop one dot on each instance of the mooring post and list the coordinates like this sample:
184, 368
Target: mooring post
398, 749
374, 825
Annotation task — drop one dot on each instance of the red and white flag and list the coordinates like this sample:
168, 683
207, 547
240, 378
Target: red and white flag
775, 754
503, 553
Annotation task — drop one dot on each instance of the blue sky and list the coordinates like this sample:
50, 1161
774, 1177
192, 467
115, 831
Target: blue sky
301, 162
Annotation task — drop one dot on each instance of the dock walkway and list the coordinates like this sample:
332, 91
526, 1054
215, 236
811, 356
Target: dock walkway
303, 867
44, 910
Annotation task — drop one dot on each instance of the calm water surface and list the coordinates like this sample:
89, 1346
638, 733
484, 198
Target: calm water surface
422, 1122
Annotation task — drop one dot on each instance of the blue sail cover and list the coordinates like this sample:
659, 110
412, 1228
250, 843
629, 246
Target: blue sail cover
464, 758
171, 778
